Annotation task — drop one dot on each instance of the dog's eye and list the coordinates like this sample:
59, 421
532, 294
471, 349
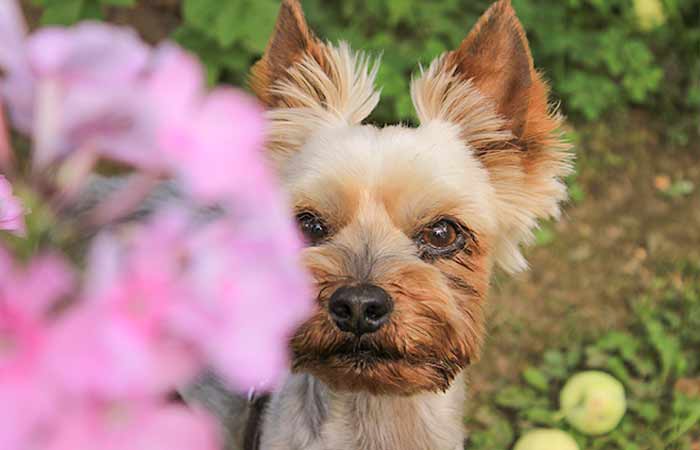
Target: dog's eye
312, 227
441, 234
441, 239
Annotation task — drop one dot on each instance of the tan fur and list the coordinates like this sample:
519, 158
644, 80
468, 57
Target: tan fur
309, 85
487, 155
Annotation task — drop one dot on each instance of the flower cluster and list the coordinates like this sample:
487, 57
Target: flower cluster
97, 329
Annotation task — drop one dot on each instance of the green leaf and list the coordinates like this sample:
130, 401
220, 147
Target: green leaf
536, 378
544, 235
680, 188
398, 10
226, 28
61, 12
202, 14
118, 2
649, 411
515, 397
541, 416
667, 347
555, 365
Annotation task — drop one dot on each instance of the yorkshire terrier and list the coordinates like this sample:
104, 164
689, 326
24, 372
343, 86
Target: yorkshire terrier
404, 226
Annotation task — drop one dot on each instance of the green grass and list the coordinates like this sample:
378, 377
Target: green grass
656, 358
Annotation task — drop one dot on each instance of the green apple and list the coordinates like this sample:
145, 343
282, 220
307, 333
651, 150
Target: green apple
593, 402
546, 439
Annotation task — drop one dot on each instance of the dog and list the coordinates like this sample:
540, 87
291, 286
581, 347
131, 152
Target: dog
404, 227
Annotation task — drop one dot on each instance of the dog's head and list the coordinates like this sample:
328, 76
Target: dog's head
404, 224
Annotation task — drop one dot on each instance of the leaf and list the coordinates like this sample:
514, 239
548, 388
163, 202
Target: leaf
536, 378
256, 25
680, 188
118, 2
544, 235
649, 411
667, 347
201, 14
398, 10
541, 416
61, 12
618, 369
515, 397
555, 365
495, 430
226, 28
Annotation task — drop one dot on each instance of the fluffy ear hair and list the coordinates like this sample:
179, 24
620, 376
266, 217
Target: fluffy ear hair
309, 84
490, 90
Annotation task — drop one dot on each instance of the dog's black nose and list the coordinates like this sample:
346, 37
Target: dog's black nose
360, 309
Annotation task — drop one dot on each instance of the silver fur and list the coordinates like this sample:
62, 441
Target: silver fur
305, 415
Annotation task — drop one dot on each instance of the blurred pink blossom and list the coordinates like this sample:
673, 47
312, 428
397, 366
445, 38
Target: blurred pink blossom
26, 294
216, 150
208, 279
240, 321
130, 292
97, 86
132, 425
11, 210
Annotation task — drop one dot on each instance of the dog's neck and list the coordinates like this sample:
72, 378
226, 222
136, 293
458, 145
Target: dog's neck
305, 414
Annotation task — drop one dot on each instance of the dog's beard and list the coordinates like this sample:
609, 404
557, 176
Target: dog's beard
363, 364
422, 349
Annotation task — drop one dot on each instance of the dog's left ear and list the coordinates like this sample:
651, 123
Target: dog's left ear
490, 90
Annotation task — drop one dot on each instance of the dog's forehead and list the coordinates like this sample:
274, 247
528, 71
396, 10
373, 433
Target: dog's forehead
412, 172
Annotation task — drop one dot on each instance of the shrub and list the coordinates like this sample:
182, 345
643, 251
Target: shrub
600, 55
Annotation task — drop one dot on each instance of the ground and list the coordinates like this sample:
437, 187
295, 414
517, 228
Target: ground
640, 211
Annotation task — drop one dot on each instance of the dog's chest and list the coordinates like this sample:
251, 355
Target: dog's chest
305, 416
429, 422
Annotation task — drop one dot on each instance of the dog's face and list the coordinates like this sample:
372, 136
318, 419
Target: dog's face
404, 224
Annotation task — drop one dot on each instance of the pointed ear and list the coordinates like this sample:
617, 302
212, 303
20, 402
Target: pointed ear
495, 60
489, 89
291, 41
299, 71
496, 57
308, 84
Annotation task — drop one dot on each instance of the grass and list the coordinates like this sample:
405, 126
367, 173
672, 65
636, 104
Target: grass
656, 358
614, 286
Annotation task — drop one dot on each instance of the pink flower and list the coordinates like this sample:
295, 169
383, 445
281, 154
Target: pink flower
216, 151
11, 210
99, 87
131, 288
89, 53
12, 31
132, 425
26, 294
17, 85
77, 87
175, 84
248, 297
87, 91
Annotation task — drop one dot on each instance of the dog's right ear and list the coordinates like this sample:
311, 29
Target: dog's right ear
308, 84
298, 70
291, 41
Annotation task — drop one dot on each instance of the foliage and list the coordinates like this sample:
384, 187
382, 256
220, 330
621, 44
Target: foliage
66, 12
600, 55
655, 358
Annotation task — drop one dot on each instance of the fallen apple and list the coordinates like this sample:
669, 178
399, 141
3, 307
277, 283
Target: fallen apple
593, 402
546, 439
